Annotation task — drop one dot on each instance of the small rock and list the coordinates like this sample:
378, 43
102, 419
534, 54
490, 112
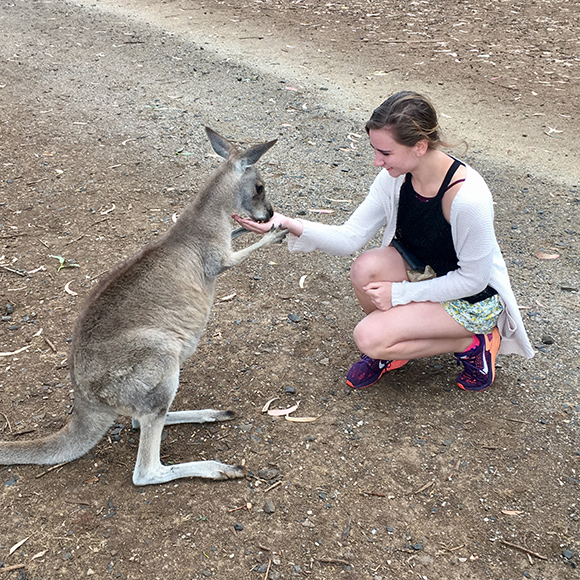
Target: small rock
238, 527
418, 546
568, 554
290, 390
294, 318
547, 339
269, 507
268, 473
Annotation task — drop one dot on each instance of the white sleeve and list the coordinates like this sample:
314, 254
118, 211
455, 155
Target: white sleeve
475, 245
341, 240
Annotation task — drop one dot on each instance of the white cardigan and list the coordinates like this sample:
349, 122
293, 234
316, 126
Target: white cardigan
480, 259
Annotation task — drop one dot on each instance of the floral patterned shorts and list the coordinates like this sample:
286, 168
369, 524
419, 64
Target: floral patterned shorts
479, 318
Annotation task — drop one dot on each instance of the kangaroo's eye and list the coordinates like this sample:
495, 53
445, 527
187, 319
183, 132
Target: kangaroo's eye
259, 189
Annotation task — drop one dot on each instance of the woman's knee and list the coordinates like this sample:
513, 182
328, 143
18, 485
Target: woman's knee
377, 264
367, 339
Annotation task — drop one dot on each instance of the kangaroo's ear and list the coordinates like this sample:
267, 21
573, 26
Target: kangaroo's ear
220, 144
251, 155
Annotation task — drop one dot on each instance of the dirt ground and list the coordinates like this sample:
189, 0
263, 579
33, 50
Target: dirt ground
102, 143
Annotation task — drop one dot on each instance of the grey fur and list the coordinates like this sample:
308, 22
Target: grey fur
145, 319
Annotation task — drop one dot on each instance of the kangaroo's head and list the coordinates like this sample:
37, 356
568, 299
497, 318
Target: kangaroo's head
249, 192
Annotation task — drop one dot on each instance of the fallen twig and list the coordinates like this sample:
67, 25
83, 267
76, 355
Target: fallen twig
7, 421
52, 468
332, 561
523, 549
17, 272
273, 486
374, 493
10, 568
51, 344
268, 570
455, 548
426, 486
8, 236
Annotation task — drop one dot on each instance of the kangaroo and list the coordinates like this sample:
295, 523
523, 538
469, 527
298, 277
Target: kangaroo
145, 319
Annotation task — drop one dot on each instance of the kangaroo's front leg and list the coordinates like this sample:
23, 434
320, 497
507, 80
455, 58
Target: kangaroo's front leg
275, 235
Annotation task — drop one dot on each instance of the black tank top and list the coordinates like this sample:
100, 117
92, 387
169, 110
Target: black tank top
422, 227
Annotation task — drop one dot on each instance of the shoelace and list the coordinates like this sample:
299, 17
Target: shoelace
471, 371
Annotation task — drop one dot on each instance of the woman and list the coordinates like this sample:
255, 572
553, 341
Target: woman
438, 212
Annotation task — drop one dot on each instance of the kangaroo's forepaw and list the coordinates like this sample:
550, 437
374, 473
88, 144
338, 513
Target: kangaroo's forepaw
277, 233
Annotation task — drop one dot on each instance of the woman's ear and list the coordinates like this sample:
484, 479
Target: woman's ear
421, 147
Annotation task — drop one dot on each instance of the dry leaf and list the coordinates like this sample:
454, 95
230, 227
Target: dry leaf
39, 555
18, 350
512, 512
68, 290
106, 211
301, 419
17, 545
282, 412
267, 405
542, 255
229, 297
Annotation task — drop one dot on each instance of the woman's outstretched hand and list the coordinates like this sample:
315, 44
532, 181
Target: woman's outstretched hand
380, 294
277, 220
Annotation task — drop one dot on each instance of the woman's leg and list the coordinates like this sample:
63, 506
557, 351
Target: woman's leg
378, 264
404, 332
414, 330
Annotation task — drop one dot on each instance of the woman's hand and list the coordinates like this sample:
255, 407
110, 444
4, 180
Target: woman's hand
380, 294
277, 220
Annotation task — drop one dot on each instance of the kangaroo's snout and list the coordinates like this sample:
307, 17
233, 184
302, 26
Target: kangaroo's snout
264, 214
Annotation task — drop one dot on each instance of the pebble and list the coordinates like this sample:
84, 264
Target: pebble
268, 473
568, 554
269, 507
294, 318
547, 339
238, 527
290, 390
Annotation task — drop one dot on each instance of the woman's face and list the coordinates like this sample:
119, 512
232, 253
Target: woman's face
397, 159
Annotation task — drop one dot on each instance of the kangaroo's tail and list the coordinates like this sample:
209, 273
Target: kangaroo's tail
87, 426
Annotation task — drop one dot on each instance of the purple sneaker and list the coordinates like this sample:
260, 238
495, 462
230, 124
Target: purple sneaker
367, 371
479, 363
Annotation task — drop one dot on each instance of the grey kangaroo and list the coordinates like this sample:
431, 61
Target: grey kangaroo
145, 319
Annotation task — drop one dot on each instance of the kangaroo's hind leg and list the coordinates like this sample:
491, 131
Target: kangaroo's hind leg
150, 470
198, 416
